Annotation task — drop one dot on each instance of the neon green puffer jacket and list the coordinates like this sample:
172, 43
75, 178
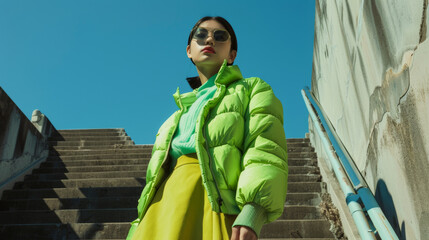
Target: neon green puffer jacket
240, 144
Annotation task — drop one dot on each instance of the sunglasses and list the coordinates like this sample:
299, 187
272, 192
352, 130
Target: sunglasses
219, 35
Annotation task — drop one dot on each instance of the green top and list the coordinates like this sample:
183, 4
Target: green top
184, 138
252, 215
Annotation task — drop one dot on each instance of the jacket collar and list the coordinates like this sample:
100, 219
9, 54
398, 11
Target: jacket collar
226, 75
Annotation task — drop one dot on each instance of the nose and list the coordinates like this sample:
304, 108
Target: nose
209, 40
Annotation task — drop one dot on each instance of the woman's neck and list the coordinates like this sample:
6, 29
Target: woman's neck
205, 73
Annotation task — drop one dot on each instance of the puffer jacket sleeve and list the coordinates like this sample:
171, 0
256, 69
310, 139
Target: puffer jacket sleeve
263, 180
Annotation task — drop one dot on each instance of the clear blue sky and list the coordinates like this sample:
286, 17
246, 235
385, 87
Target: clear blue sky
116, 64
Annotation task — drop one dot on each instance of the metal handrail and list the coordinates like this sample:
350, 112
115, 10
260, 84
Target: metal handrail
352, 183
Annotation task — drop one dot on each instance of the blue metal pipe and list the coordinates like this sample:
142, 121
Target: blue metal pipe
355, 209
350, 168
380, 222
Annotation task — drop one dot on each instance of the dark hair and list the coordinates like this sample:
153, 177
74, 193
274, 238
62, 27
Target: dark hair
195, 82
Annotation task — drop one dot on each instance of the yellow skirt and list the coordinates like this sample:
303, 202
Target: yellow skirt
181, 209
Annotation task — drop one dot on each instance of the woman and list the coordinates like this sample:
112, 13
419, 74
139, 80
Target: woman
219, 164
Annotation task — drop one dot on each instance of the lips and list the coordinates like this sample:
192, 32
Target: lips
208, 50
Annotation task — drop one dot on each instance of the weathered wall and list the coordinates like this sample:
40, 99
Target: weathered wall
21, 144
371, 76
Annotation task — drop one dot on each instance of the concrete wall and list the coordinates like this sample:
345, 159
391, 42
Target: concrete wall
371, 76
22, 146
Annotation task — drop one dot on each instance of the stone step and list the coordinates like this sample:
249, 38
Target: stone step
92, 166
303, 170
121, 130
69, 216
90, 154
85, 143
301, 229
83, 175
147, 154
128, 144
302, 158
100, 166
307, 140
49, 166
88, 134
69, 203
295, 199
298, 144
141, 149
86, 152
131, 173
309, 199
91, 192
301, 212
76, 133
304, 178
295, 173
89, 163
109, 159
100, 156
83, 183
299, 149
134, 182
90, 138
94, 192
300, 162
106, 136
94, 130
301, 154
55, 231
117, 215
302, 187
61, 148
297, 229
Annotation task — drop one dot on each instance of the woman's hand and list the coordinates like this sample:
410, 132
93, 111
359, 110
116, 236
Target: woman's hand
243, 233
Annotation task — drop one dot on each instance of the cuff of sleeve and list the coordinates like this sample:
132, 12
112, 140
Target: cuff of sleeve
252, 215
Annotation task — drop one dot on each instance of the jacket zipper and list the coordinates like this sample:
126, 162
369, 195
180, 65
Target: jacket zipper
219, 198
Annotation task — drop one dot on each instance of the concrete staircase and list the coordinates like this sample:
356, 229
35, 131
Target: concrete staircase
89, 187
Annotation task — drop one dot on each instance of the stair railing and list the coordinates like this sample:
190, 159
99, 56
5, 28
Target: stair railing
352, 184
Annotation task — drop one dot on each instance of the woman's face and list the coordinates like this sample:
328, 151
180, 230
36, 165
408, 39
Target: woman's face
208, 52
